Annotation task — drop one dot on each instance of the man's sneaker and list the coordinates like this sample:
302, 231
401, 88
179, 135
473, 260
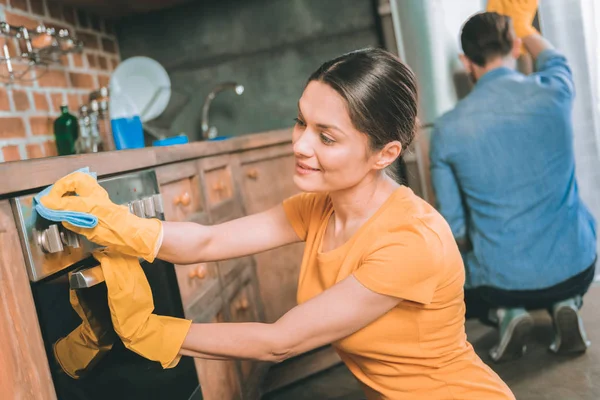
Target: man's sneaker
569, 335
515, 325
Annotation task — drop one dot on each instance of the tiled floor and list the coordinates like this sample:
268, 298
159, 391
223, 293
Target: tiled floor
537, 376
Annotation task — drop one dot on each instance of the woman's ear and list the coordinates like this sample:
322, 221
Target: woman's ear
388, 154
466, 63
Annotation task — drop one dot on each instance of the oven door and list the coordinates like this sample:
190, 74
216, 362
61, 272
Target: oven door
121, 374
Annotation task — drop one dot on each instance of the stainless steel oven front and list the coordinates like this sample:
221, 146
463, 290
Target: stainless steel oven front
58, 260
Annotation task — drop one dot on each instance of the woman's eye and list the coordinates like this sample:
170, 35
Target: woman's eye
299, 122
326, 140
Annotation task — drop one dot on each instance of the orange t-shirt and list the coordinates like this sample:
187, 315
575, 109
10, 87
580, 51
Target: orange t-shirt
419, 349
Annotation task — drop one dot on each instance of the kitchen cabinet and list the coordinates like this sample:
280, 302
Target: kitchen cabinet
265, 181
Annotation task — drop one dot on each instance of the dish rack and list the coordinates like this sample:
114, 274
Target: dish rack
25, 51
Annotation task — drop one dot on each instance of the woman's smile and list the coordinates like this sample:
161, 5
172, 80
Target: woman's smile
303, 169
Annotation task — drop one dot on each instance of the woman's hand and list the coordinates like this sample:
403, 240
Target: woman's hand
117, 228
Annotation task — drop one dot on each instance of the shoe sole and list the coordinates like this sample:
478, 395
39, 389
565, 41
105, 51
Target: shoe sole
570, 330
512, 345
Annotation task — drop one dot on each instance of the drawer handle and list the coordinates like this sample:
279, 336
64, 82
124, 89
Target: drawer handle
252, 173
219, 186
242, 305
199, 272
185, 199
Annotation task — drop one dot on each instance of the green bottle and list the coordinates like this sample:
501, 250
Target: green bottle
65, 131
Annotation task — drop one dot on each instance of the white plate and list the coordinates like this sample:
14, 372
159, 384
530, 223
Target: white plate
142, 79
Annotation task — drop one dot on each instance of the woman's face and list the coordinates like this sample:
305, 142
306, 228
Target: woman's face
330, 153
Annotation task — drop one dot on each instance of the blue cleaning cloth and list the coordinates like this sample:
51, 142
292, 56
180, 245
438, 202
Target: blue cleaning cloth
79, 219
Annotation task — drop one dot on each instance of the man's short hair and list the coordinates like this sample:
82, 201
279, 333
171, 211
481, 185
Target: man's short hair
486, 36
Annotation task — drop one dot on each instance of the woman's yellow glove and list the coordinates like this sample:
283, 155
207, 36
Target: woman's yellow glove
87, 344
154, 337
117, 228
522, 13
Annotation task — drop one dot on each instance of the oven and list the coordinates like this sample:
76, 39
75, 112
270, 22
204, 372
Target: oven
58, 260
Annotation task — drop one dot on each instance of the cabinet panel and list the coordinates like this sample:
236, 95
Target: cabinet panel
180, 189
266, 179
218, 379
195, 279
218, 179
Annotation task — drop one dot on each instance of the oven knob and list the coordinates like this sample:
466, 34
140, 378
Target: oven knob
49, 240
69, 238
149, 210
158, 204
138, 208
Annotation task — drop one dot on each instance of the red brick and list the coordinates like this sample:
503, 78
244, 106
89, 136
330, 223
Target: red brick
4, 102
103, 62
41, 102
80, 80
53, 78
41, 125
19, 4
69, 15
20, 20
57, 101
74, 102
90, 40
55, 9
25, 72
11, 127
92, 60
50, 148
115, 63
4, 2
11, 153
21, 100
37, 7
103, 80
77, 59
34, 150
109, 45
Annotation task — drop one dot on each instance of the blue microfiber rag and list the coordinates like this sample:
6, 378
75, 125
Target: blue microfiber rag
79, 219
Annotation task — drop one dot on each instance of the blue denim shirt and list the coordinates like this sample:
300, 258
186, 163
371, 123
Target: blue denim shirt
503, 169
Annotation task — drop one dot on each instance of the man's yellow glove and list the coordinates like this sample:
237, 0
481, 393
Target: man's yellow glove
522, 13
154, 337
86, 345
117, 228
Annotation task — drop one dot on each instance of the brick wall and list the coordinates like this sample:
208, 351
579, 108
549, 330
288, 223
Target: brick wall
28, 110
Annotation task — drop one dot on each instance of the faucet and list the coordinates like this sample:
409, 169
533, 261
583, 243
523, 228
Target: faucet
210, 132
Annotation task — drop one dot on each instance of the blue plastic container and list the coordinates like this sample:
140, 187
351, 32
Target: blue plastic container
180, 139
125, 123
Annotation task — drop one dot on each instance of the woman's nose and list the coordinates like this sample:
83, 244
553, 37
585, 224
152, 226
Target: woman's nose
302, 145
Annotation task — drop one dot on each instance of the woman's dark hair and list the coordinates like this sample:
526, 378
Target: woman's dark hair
380, 91
486, 36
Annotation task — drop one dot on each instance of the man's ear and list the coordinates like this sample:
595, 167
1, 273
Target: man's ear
466, 63
388, 154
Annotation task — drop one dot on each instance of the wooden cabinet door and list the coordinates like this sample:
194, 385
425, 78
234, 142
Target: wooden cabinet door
180, 190
25, 373
219, 380
266, 179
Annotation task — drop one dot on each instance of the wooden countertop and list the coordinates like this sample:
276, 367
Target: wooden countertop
26, 175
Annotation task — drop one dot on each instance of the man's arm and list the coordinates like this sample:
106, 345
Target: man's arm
449, 201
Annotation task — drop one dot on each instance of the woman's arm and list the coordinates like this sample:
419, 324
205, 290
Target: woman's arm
334, 314
187, 242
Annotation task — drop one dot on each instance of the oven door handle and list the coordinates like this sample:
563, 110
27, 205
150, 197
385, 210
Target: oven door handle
86, 278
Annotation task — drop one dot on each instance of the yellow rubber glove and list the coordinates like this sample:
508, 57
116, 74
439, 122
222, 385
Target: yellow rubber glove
86, 345
522, 13
117, 228
154, 337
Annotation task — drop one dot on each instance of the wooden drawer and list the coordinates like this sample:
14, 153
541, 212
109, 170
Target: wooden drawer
195, 279
180, 189
229, 270
218, 180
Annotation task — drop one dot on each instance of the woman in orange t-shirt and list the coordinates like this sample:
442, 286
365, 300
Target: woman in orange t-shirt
381, 278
